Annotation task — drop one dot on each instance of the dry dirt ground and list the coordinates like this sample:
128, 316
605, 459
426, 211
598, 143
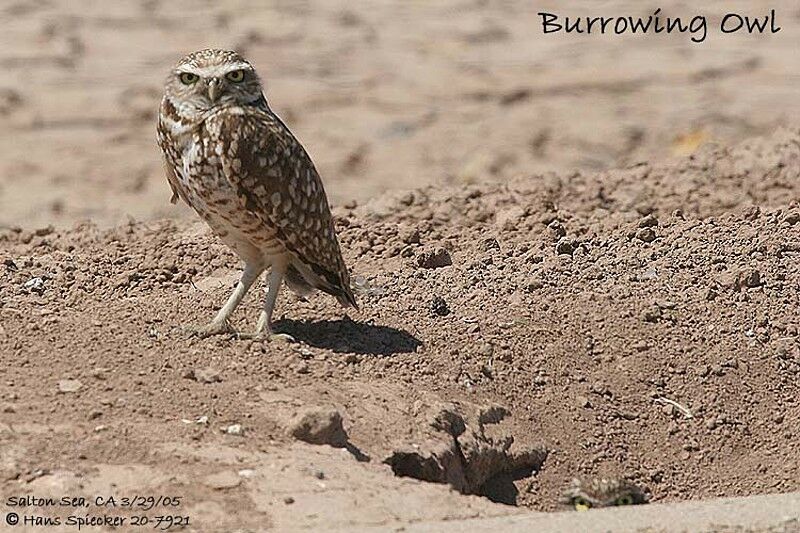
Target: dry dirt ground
383, 93
510, 337
574, 257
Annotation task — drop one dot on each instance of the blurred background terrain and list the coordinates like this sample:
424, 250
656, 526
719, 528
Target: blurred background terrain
384, 94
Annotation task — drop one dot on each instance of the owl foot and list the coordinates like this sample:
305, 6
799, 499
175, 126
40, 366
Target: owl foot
211, 329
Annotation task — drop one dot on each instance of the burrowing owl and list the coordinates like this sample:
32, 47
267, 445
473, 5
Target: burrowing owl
603, 493
239, 167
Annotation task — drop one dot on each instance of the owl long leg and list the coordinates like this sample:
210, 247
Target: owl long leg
264, 326
220, 323
276, 274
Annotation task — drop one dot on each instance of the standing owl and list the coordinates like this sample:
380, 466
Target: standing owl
239, 167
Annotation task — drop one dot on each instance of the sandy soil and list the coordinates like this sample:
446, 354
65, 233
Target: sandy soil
574, 257
572, 307
384, 94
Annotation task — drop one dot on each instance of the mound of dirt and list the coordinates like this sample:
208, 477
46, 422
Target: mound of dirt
640, 323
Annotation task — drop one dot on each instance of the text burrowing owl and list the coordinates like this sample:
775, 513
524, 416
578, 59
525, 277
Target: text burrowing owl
239, 167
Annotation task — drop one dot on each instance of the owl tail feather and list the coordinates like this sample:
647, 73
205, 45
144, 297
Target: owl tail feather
298, 283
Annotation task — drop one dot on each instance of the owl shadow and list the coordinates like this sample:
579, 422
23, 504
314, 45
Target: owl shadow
347, 336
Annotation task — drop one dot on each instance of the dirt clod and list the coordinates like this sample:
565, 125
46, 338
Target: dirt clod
646, 234
207, 375
439, 306
319, 426
434, 258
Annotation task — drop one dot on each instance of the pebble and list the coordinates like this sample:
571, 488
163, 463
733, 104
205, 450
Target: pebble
646, 235
749, 278
557, 229
319, 426
652, 314
582, 401
438, 306
234, 429
648, 222
69, 385
207, 375
35, 285
565, 246
434, 258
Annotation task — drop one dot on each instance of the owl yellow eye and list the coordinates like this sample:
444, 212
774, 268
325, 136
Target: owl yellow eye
187, 78
236, 76
580, 504
624, 500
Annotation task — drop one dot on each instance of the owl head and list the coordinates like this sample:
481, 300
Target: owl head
210, 78
595, 493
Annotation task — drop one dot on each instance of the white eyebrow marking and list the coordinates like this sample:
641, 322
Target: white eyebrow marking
211, 71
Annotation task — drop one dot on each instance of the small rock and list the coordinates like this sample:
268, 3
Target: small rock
95, 414
434, 258
490, 244
234, 429
439, 307
69, 385
223, 480
10, 265
646, 235
319, 426
208, 375
486, 350
649, 221
652, 314
557, 229
35, 285
565, 246
43, 232
288, 500
749, 278
409, 235
582, 401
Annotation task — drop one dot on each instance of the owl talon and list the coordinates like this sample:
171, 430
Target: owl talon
214, 328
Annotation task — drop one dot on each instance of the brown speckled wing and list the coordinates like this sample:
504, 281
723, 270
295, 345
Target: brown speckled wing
277, 181
170, 155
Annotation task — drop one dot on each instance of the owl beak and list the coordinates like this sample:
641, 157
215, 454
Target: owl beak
213, 89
